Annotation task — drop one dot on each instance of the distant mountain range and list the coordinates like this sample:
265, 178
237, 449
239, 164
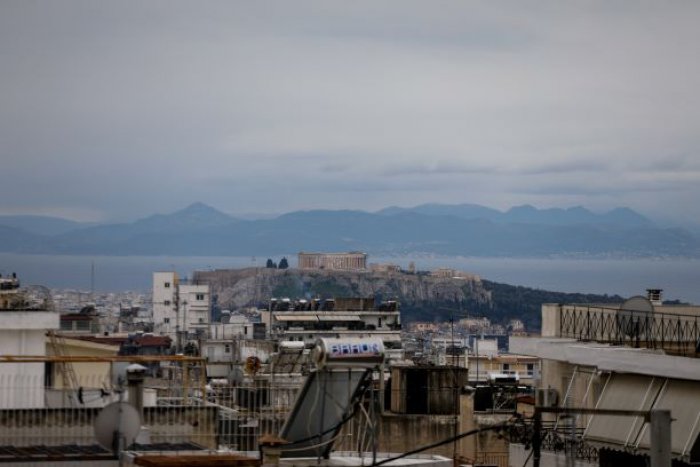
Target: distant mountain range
466, 229
528, 214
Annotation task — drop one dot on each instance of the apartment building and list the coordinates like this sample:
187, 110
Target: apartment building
180, 310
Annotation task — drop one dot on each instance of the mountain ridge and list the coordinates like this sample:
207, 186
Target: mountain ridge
199, 229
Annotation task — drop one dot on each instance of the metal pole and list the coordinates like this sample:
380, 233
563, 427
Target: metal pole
476, 344
660, 426
536, 438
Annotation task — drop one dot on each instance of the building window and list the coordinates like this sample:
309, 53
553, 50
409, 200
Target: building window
201, 320
506, 367
200, 296
167, 285
166, 320
227, 348
530, 369
166, 303
380, 323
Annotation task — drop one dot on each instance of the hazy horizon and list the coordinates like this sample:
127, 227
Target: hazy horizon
627, 277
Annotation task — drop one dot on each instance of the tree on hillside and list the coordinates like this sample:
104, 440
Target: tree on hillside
283, 263
270, 264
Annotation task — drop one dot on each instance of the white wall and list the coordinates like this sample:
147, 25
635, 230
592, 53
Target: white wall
22, 333
178, 306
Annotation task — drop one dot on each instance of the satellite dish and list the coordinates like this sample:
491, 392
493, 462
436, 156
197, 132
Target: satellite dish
633, 317
637, 303
117, 425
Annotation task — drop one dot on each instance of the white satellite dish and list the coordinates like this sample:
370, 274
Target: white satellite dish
117, 425
633, 317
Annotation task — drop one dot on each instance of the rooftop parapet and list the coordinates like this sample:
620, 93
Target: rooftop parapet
675, 331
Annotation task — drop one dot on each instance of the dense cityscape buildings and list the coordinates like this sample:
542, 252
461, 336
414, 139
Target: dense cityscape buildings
240, 351
66, 349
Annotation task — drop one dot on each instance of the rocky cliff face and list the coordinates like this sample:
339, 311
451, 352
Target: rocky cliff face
236, 288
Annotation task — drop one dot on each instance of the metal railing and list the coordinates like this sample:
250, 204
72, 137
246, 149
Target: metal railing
40, 417
492, 458
677, 334
556, 439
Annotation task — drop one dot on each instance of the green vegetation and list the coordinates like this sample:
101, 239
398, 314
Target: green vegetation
288, 286
329, 288
507, 302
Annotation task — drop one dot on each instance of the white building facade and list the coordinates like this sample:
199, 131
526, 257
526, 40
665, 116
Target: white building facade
22, 332
179, 309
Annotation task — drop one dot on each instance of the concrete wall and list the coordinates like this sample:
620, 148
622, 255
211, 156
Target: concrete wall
485, 447
551, 319
401, 433
426, 390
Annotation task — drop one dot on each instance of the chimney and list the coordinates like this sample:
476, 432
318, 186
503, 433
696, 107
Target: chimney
655, 296
135, 374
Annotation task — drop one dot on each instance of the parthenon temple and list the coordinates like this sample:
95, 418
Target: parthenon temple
351, 261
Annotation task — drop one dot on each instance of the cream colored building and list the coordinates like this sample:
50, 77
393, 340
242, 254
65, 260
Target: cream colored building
87, 374
448, 273
385, 268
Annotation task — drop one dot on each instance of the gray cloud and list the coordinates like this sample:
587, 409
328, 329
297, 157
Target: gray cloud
114, 110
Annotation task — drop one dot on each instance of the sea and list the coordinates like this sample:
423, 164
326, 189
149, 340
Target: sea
680, 278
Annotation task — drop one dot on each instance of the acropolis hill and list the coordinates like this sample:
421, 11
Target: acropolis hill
423, 296
237, 288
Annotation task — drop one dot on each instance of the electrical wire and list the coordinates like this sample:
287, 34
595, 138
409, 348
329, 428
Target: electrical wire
443, 442
532, 451
311, 446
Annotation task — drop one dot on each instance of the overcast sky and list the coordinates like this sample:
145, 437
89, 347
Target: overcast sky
115, 110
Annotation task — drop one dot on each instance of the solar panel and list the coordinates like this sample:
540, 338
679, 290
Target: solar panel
323, 404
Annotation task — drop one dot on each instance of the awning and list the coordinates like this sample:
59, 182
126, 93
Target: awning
623, 392
335, 317
636, 392
294, 317
682, 398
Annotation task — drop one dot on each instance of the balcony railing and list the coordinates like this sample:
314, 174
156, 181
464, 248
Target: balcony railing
677, 334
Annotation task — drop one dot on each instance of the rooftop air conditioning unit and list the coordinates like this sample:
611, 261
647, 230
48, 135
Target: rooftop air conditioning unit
547, 397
